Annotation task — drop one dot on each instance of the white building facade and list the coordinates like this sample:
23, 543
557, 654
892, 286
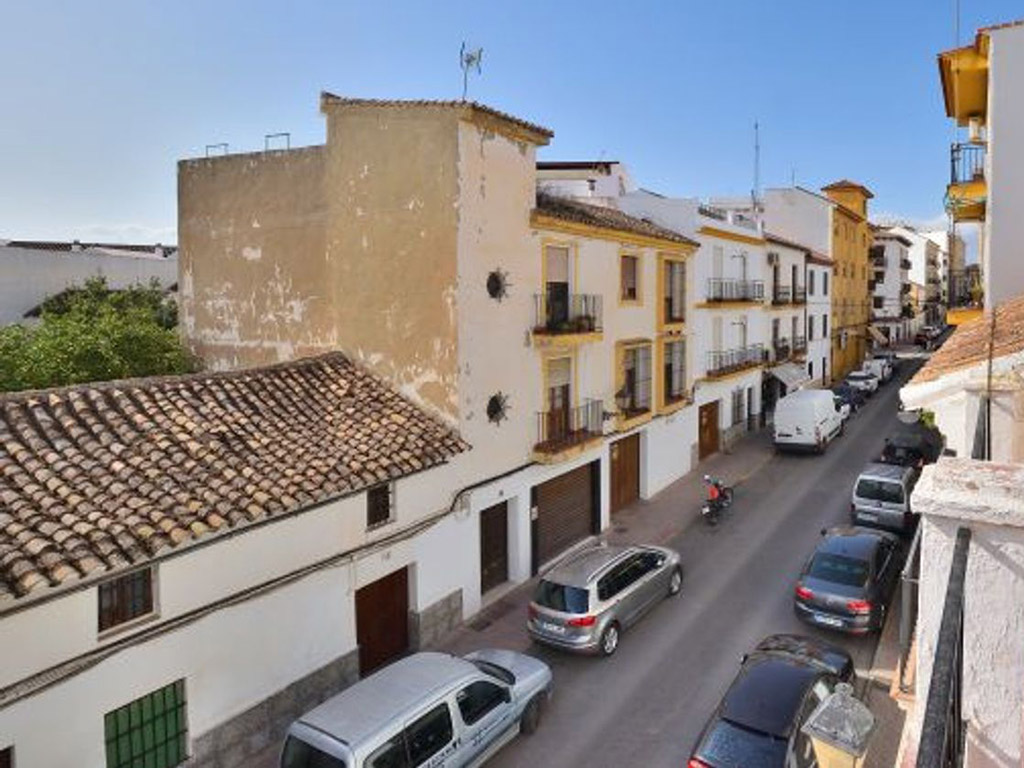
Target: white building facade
924, 271
818, 320
890, 262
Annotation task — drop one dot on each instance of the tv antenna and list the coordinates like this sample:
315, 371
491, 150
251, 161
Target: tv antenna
469, 59
755, 193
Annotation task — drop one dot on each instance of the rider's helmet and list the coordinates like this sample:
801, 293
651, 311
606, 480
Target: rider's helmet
707, 478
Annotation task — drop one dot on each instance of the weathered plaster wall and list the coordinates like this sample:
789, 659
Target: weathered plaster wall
392, 195
254, 280
988, 498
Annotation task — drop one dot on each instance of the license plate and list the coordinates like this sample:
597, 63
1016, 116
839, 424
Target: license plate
549, 627
828, 621
868, 517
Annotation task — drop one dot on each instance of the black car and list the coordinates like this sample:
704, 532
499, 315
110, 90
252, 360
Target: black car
913, 445
779, 685
848, 581
853, 397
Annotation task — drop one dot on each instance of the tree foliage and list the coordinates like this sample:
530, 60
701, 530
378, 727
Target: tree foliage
94, 333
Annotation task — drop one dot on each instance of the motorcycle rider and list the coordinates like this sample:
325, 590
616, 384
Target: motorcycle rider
714, 490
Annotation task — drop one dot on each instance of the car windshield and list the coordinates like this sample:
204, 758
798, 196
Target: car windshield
839, 569
559, 597
734, 746
880, 490
299, 754
499, 673
857, 376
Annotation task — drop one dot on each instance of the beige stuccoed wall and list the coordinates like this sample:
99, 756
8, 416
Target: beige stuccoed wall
988, 498
254, 282
392, 195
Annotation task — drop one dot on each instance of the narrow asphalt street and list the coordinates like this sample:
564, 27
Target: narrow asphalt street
646, 705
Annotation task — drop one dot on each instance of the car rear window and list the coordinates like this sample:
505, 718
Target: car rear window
839, 569
880, 490
299, 754
559, 597
731, 745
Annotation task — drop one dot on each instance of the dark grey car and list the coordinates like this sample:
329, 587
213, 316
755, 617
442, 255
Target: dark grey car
584, 602
848, 581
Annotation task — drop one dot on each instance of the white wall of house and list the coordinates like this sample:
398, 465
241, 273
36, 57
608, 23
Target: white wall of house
792, 275
819, 321
30, 275
594, 184
1003, 232
888, 297
987, 498
801, 216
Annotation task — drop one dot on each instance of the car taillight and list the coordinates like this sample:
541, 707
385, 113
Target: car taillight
803, 592
858, 606
531, 612
582, 621
695, 763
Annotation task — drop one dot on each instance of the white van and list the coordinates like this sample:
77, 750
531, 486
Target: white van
880, 367
807, 419
426, 709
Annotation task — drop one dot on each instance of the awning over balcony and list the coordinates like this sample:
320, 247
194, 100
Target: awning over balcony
790, 374
878, 336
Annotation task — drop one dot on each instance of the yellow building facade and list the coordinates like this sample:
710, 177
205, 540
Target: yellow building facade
851, 300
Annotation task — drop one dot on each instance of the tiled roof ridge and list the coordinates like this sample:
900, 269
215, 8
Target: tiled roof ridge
579, 211
67, 245
327, 96
97, 478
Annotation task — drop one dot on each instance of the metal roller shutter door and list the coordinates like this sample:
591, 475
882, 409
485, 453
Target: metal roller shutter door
565, 516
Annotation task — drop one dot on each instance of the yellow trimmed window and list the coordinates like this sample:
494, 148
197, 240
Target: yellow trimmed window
629, 270
674, 371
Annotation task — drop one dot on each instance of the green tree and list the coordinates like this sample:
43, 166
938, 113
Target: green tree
94, 333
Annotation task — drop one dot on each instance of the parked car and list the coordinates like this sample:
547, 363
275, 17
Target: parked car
882, 369
912, 445
848, 581
888, 355
852, 397
807, 419
461, 709
759, 719
881, 497
584, 602
864, 381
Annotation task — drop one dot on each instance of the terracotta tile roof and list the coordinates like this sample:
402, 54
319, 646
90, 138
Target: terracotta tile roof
968, 345
54, 245
330, 98
99, 477
783, 241
847, 184
568, 209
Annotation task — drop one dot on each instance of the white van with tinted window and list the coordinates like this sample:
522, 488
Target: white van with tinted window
807, 420
426, 709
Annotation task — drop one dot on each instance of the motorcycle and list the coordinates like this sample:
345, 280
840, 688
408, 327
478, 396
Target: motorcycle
712, 508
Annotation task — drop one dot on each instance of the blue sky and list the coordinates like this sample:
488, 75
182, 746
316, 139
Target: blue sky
102, 98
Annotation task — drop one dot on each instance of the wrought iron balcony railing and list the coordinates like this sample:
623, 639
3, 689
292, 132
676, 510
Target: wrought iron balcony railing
781, 294
781, 349
730, 360
727, 289
799, 345
966, 163
561, 428
566, 313
800, 295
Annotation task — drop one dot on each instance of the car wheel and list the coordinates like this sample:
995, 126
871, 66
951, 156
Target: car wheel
610, 639
675, 581
530, 718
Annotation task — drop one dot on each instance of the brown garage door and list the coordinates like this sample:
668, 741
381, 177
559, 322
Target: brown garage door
493, 546
382, 620
625, 472
708, 429
567, 512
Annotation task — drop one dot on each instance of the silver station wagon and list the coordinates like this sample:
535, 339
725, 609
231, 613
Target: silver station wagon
584, 602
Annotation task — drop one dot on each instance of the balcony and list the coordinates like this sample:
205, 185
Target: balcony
724, 363
566, 317
781, 294
967, 192
780, 350
565, 431
800, 294
721, 290
799, 346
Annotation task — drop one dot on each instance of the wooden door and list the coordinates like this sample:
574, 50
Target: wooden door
493, 546
382, 621
625, 472
708, 429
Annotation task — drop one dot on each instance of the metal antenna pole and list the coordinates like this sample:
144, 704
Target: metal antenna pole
755, 193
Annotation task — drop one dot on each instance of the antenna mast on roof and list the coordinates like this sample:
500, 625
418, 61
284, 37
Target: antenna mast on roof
755, 193
469, 59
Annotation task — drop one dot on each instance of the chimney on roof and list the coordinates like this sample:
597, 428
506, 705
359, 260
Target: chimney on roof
76, 246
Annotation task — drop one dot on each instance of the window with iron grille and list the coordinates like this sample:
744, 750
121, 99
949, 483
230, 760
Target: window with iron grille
739, 411
378, 505
125, 598
630, 278
636, 363
151, 731
675, 371
675, 291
